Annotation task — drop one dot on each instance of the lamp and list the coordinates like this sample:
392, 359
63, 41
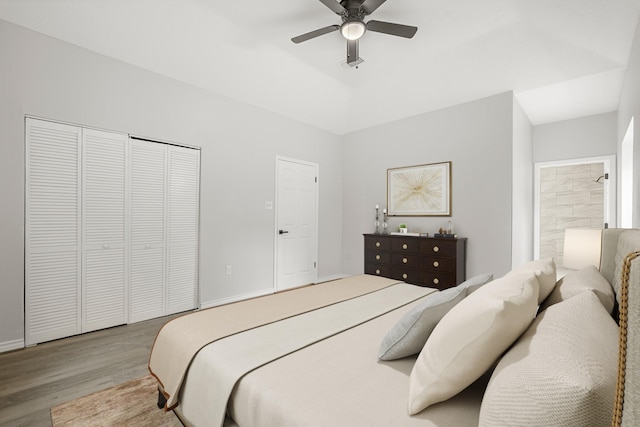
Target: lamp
353, 29
582, 247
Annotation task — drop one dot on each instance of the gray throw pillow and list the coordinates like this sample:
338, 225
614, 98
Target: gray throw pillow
477, 281
407, 337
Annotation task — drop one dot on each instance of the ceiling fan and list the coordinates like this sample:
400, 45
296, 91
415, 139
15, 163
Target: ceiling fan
353, 26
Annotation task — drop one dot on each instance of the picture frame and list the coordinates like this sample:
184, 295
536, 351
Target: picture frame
421, 190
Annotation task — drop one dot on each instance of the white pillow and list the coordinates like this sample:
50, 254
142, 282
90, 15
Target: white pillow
575, 282
561, 372
407, 337
471, 337
545, 271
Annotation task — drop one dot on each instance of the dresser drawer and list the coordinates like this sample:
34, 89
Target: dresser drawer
443, 247
405, 260
376, 256
406, 275
438, 280
406, 245
377, 270
438, 263
378, 242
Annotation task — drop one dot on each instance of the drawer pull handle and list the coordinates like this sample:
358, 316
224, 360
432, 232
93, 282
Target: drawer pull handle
404, 260
378, 271
377, 257
404, 246
436, 264
377, 244
404, 275
436, 281
436, 249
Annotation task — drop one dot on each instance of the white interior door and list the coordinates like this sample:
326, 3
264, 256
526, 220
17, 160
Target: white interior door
296, 223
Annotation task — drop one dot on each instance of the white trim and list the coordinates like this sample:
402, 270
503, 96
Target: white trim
235, 298
610, 192
11, 345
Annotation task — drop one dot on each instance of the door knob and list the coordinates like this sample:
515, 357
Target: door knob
283, 231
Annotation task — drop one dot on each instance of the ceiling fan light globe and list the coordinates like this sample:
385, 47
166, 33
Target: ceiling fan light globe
353, 30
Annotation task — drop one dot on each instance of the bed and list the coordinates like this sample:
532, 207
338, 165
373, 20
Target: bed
327, 354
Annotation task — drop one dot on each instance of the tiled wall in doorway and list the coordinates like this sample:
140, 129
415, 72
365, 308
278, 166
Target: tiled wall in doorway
571, 196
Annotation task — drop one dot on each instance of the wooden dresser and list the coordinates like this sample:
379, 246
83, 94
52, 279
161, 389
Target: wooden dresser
424, 261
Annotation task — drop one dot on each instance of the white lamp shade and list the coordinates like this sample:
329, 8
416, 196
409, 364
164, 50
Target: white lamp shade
582, 247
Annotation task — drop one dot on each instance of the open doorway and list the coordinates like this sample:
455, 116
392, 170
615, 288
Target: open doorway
577, 193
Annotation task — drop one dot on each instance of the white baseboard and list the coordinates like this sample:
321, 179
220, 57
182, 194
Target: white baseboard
11, 345
235, 298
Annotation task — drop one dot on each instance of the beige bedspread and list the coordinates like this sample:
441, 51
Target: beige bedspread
216, 369
181, 339
335, 382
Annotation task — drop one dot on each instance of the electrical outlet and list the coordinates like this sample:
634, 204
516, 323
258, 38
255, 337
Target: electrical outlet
228, 271
268, 204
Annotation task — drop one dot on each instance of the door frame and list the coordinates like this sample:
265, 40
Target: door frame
278, 159
609, 195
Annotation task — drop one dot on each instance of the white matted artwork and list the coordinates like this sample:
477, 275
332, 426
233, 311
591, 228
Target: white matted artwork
423, 190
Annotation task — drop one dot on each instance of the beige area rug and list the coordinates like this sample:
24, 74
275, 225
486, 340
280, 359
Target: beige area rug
130, 404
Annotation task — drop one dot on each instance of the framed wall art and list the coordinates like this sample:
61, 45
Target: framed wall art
423, 190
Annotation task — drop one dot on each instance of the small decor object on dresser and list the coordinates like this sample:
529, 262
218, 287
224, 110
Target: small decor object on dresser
424, 261
423, 190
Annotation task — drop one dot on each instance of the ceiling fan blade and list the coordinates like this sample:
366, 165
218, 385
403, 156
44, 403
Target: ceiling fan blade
393, 29
312, 34
353, 53
335, 6
370, 5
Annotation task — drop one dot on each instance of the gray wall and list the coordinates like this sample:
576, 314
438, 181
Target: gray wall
47, 78
630, 107
590, 136
477, 137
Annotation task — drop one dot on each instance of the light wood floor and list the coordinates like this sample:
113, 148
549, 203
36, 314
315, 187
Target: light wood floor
34, 379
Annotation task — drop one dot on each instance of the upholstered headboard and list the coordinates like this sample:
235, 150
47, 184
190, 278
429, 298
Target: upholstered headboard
620, 264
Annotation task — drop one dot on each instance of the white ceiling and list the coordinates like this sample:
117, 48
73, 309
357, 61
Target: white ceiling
562, 58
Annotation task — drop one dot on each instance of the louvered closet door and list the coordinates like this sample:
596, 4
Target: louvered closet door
52, 231
104, 210
182, 254
148, 225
